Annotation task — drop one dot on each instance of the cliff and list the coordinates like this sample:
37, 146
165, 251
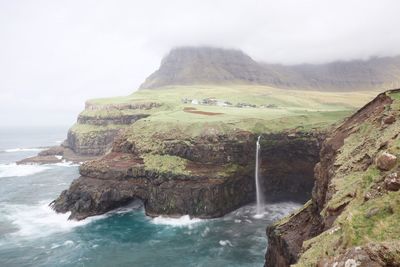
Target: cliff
189, 149
227, 78
182, 158
352, 218
198, 159
258, 109
207, 65
188, 146
203, 176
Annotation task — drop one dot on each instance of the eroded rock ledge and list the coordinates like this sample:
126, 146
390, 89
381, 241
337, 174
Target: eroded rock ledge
352, 218
207, 176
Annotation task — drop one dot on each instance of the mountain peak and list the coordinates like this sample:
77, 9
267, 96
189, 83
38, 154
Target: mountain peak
211, 65
204, 65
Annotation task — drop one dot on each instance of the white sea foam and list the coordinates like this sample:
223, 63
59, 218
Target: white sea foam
177, 222
259, 215
14, 170
133, 205
225, 243
205, 232
64, 163
13, 150
276, 211
39, 220
272, 211
68, 243
53, 246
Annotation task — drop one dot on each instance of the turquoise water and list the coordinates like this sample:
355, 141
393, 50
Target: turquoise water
31, 234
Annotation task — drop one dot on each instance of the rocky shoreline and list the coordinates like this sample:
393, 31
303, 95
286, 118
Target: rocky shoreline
57, 154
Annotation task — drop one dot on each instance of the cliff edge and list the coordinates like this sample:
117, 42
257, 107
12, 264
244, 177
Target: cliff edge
352, 218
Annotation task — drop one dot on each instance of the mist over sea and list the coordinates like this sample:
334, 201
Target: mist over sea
31, 234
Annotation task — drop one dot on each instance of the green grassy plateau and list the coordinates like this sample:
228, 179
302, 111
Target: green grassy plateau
276, 109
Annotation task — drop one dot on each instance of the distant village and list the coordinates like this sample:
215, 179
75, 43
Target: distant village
223, 103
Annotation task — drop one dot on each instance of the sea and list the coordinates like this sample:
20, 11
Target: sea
32, 234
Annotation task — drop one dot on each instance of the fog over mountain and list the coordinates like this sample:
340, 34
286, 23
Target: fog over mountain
54, 55
209, 65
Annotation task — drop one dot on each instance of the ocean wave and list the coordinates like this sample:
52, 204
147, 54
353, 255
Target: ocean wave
14, 170
19, 170
64, 163
13, 150
39, 220
177, 222
225, 243
132, 206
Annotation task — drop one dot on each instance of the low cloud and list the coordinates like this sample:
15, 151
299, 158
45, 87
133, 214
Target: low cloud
56, 54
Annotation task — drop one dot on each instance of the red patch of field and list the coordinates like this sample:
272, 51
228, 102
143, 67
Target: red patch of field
195, 111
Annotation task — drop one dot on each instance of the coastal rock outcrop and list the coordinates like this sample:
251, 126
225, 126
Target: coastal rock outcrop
100, 123
351, 211
95, 131
206, 176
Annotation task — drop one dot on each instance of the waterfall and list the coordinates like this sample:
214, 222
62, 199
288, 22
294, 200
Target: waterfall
260, 201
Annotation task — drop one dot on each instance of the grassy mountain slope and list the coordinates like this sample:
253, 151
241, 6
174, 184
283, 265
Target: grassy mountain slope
353, 217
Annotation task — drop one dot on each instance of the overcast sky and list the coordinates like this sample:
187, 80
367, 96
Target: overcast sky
56, 54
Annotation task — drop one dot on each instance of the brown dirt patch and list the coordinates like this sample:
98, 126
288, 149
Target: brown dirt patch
122, 160
195, 111
202, 168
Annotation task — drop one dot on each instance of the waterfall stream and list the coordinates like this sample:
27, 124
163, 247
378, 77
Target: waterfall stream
259, 196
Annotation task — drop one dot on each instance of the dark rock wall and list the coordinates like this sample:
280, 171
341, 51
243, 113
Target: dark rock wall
208, 191
287, 165
101, 129
120, 120
217, 149
93, 144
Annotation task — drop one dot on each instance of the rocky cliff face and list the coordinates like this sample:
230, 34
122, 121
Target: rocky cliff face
352, 218
207, 176
96, 129
99, 124
207, 65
